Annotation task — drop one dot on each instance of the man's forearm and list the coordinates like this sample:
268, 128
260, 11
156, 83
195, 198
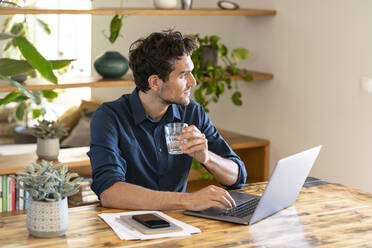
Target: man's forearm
129, 196
224, 170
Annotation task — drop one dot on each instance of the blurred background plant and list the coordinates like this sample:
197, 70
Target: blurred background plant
212, 78
116, 25
20, 57
46, 129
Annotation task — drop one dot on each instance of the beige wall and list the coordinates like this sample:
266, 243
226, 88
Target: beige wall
318, 50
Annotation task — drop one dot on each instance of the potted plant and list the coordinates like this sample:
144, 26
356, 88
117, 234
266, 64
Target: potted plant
213, 78
48, 187
48, 134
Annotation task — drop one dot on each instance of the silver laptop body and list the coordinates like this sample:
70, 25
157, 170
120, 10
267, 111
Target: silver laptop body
281, 191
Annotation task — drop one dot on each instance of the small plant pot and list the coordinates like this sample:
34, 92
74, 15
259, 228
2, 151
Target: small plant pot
47, 149
47, 219
208, 54
20, 78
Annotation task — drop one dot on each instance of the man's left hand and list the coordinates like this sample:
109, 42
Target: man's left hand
196, 145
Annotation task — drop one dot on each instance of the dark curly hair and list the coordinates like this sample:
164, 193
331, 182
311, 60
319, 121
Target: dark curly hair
156, 55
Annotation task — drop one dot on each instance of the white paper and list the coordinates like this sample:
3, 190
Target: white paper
124, 231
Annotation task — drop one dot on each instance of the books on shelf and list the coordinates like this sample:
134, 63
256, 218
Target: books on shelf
85, 194
12, 196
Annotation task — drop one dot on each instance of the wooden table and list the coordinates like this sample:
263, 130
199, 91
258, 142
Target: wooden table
323, 216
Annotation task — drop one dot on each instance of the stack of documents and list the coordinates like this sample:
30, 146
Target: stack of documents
124, 231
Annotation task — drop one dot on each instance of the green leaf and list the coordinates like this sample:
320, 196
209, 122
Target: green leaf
210, 89
10, 97
49, 94
240, 54
36, 113
36, 59
44, 25
59, 64
247, 77
221, 88
17, 28
222, 50
10, 67
115, 27
214, 39
5, 36
20, 111
37, 99
21, 98
236, 98
196, 165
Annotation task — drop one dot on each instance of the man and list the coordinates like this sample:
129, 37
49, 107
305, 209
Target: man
131, 166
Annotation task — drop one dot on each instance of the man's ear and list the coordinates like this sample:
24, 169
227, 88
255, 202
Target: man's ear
155, 82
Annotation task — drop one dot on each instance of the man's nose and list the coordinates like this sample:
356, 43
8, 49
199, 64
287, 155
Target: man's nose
191, 82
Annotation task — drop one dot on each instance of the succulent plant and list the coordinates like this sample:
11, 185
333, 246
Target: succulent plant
45, 181
50, 129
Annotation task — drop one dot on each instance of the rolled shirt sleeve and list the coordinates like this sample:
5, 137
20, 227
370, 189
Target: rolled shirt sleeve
219, 146
108, 166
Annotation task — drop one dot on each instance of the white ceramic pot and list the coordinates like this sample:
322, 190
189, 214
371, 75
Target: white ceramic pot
47, 219
47, 149
165, 4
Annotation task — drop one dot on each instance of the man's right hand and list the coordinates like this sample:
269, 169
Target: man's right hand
211, 196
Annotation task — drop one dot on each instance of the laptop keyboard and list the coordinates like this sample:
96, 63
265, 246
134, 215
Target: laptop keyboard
313, 181
243, 210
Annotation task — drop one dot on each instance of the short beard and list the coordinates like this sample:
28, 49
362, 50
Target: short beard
167, 102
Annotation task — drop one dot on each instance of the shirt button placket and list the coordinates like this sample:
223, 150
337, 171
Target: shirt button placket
161, 156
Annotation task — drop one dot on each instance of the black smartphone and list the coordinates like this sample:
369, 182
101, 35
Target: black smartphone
151, 220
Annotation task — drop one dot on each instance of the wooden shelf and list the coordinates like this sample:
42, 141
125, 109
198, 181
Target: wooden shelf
149, 12
64, 83
73, 157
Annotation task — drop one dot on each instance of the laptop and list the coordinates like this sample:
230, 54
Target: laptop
281, 191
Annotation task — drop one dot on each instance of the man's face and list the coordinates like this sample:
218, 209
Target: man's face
178, 87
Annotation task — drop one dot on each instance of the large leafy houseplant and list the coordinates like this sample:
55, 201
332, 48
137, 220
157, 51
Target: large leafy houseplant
21, 57
212, 78
26, 99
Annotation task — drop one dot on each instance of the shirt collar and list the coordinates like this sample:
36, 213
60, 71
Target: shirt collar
139, 113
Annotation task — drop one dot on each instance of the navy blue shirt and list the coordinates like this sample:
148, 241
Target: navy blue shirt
128, 145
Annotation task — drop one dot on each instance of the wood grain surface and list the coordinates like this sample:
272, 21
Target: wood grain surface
323, 216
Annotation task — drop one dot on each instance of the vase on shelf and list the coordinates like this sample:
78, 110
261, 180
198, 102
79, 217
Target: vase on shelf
165, 4
186, 4
111, 65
